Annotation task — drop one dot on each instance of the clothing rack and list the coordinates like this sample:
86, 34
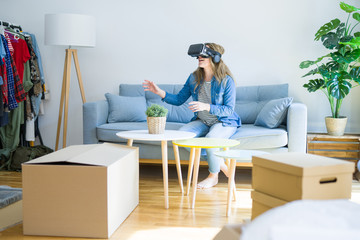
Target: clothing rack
16, 128
11, 25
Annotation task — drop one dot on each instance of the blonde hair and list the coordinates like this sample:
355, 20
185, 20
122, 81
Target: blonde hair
219, 69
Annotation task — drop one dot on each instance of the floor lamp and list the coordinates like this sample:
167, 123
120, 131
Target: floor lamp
69, 30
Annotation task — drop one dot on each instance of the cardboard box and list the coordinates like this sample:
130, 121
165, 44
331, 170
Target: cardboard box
293, 176
262, 202
80, 191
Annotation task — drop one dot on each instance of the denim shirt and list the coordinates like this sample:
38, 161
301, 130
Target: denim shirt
223, 97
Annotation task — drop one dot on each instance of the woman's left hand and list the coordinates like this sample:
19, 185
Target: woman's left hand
196, 106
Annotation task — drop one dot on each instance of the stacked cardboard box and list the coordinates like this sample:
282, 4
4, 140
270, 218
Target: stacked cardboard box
80, 191
281, 178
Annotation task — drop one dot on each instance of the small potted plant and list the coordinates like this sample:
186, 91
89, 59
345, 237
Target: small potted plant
338, 71
156, 118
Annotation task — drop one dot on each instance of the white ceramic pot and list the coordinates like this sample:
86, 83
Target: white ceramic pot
335, 126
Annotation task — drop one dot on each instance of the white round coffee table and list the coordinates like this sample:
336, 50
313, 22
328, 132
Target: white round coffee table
168, 135
236, 156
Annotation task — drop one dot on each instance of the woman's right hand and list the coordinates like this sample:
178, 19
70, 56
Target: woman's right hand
152, 87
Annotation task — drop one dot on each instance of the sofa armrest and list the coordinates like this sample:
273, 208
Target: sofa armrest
94, 114
297, 127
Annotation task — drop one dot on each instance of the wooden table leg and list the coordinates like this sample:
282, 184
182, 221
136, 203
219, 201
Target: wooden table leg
130, 142
231, 183
178, 167
165, 172
195, 175
190, 170
227, 162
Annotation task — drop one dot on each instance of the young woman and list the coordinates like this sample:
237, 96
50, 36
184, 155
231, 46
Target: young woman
213, 91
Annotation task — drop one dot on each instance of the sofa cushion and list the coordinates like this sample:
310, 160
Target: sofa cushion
107, 132
180, 114
257, 137
251, 99
131, 90
273, 113
120, 110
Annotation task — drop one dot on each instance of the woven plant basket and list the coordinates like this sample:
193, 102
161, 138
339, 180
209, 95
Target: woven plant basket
156, 125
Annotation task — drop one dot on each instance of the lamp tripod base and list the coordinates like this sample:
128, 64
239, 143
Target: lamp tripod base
64, 100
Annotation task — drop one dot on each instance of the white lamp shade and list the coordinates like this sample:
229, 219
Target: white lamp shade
70, 30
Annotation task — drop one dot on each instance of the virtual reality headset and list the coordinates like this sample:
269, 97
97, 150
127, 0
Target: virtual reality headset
196, 50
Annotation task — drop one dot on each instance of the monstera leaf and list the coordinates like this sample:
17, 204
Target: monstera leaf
349, 56
324, 71
330, 40
308, 63
348, 8
340, 31
312, 72
339, 87
353, 42
356, 16
314, 85
355, 74
353, 55
327, 27
332, 66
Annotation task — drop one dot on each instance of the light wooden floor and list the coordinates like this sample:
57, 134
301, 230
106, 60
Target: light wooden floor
151, 221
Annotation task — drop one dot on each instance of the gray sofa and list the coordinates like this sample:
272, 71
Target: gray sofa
259, 107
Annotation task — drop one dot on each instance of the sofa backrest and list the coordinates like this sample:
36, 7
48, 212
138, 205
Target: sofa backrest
249, 100
176, 113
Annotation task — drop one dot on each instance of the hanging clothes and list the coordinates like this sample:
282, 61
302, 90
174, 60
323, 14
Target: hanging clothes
21, 82
1, 98
2, 62
21, 53
36, 92
10, 91
38, 56
10, 133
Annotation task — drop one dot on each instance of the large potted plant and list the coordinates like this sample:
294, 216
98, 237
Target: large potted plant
338, 71
156, 118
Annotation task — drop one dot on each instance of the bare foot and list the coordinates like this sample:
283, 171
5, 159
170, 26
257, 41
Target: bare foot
209, 182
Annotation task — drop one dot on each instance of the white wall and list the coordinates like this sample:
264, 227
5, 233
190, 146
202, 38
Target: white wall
264, 40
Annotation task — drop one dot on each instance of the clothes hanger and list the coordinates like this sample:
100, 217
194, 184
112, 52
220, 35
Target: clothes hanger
2, 29
14, 27
11, 31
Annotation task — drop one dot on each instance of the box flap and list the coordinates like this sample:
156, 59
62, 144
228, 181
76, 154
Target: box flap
103, 155
93, 154
63, 155
302, 164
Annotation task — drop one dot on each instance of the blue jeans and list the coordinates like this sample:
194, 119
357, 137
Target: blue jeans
215, 131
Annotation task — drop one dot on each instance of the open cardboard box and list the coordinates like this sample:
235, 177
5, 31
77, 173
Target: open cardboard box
80, 191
